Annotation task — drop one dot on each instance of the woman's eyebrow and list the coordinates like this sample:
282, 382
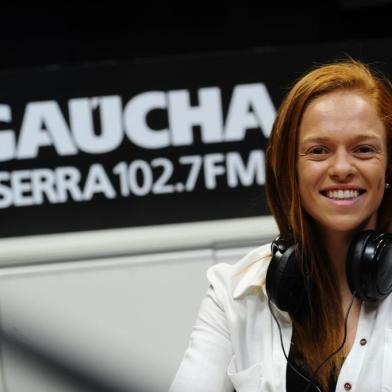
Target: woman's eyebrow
357, 138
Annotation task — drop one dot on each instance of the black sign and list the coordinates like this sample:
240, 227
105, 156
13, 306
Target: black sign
146, 143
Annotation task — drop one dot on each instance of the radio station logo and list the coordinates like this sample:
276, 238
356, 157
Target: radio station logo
44, 125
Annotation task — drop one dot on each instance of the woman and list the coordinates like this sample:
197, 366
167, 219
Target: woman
328, 173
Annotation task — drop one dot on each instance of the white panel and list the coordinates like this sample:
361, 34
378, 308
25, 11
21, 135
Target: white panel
118, 242
129, 318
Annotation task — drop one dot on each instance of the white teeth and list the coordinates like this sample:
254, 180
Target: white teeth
343, 194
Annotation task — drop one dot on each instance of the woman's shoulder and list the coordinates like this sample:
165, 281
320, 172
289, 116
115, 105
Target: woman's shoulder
246, 276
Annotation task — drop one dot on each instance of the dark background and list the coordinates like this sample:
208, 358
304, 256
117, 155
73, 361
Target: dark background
69, 32
45, 46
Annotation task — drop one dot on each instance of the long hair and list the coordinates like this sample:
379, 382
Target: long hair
323, 327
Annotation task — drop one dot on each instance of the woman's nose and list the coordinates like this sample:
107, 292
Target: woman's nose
342, 166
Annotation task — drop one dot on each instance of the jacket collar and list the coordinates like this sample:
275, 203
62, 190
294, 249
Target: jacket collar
250, 277
250, 272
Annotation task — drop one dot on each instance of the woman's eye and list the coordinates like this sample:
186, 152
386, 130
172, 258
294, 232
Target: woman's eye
365, 149
319, 150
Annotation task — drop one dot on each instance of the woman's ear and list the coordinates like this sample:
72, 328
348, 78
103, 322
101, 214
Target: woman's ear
388, 209
389, 228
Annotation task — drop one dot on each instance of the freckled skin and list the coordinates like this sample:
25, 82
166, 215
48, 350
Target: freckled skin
351, 149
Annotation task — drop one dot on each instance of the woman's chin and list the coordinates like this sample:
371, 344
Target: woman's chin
348, 226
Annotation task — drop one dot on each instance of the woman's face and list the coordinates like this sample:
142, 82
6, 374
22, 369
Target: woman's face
342, 161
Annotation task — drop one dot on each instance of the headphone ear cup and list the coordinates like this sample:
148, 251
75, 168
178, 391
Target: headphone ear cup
356, 269
284, 280
369, 265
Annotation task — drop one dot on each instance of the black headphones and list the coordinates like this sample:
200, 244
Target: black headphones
368, 269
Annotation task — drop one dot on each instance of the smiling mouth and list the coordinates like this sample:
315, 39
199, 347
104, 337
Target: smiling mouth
346, 194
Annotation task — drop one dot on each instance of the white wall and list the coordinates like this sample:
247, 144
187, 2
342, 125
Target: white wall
124, 317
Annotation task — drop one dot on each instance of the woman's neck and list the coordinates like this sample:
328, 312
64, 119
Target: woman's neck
337, 245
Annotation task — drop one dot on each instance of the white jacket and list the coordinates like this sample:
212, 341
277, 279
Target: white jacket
235, 342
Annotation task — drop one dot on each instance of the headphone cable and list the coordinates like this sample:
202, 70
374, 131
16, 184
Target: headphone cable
310, 380
341, 345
